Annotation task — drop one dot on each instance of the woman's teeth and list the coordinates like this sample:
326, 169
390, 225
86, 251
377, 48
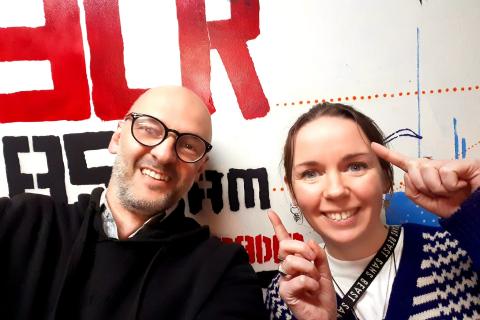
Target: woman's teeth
339, 216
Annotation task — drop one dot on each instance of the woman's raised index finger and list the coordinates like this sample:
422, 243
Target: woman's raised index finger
395, 158
278, 227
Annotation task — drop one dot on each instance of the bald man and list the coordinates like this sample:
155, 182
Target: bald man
129, 252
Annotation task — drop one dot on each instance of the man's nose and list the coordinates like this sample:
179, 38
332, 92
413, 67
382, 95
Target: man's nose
165, 151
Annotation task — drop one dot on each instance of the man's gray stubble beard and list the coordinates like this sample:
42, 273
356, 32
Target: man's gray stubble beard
127, 198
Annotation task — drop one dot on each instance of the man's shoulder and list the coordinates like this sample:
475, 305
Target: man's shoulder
43, 207
217, 250
24, 201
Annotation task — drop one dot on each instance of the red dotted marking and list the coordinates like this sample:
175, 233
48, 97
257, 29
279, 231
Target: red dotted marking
384, 95
476, 144
472, 146
280, 190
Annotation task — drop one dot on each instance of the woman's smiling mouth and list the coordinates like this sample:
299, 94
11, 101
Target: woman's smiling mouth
340, 215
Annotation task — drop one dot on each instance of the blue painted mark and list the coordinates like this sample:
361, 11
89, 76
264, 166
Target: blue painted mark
418, 91
455, 137
403, 210
464, 142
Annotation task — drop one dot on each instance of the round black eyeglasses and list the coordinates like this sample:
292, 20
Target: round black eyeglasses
150, 132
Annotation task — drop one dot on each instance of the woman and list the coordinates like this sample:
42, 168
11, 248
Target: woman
337, 171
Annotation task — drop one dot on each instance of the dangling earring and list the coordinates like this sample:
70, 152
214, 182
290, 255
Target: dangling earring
297, 213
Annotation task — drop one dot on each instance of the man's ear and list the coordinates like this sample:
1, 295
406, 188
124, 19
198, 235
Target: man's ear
114, 144
201, 168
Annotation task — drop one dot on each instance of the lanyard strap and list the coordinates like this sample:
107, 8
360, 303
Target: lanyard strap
373, 268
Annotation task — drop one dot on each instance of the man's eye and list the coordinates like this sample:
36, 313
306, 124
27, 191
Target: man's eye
188, 148
149, 130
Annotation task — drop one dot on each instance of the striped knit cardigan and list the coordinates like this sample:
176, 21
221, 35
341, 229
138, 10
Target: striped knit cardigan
438, 273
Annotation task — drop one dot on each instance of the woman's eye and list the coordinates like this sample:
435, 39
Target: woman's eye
309, 174
357, 166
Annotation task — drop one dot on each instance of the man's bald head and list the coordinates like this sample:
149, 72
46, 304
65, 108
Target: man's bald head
180, 104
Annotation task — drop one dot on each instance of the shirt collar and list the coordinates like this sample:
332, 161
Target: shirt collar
110, 226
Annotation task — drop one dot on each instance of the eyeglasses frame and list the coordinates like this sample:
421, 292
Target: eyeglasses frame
135, 115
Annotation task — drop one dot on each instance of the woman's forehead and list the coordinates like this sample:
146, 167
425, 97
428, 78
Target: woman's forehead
327, 129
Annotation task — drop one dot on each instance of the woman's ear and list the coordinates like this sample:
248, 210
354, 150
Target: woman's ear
387, 188
290, 191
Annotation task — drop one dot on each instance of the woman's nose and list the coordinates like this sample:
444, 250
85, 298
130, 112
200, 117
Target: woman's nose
335, 187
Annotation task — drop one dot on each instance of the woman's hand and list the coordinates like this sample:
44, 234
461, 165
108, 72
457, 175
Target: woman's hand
305, 282
440, 186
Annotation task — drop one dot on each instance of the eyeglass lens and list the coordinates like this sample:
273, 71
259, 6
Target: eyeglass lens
151, 132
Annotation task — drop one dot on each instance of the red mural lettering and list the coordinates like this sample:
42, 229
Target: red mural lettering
248, 244
230, 38
110, 93
69, 100
260, 249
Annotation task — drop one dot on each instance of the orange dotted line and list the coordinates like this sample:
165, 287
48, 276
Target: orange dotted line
384, 95
469, 148
395, 188
474, 145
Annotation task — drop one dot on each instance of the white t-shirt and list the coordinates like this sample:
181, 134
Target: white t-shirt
374, 302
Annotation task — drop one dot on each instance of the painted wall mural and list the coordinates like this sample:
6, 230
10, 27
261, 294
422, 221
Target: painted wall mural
69, 69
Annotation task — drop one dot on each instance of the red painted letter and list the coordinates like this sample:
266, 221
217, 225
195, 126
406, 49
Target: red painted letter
230, 38
69, 100
111, 95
